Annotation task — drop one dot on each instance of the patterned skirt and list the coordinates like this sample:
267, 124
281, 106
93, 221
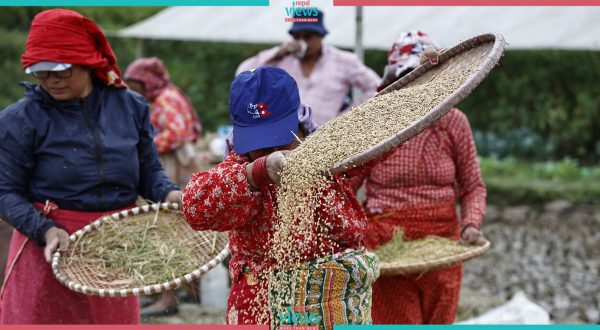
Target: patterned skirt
324, 292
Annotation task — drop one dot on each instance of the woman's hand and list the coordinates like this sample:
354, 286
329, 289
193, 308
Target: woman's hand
275, 163
266, 170
174, 196
432, 55
55, 238
471, 235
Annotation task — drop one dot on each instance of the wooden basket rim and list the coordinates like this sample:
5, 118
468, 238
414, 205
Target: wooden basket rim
143, 290
490, 61
396, 268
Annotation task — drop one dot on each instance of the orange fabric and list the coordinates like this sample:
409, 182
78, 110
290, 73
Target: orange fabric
430, 298
418, 223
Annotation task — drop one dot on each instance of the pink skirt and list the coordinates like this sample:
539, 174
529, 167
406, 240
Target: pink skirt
33, 295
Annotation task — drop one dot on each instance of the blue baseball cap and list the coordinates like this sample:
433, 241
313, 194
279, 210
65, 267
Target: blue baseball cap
263, 104
318, 27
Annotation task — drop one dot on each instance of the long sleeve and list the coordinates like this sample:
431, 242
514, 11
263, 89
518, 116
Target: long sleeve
471, 189
221, 198
154, 183
363, 78
16, 164
169, 119
261, 59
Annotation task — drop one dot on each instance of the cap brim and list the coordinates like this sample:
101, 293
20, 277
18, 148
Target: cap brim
47, 66
276, 134
297, 27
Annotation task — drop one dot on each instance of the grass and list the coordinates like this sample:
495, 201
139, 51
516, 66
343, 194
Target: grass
516, 182
136, 251
400, 251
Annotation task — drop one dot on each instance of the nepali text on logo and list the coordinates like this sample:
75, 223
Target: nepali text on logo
301, 11
258, 110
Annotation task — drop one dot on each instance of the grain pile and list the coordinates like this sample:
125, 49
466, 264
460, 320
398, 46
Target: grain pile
411, 252
307, 169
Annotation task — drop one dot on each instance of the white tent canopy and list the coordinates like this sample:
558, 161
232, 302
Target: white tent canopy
522, 27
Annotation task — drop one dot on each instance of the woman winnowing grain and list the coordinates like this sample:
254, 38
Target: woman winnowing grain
416, 189
240, 196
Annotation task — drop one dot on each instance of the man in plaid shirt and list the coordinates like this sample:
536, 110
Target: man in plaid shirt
324, 74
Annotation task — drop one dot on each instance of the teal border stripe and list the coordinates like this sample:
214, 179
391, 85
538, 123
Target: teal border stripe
471, 327
223, 3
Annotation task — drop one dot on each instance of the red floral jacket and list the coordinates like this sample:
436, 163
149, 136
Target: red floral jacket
222, 200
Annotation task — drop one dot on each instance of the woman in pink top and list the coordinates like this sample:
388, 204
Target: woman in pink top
416, 190
172, 115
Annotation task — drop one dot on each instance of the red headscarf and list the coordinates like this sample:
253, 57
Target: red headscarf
152, 73
65, 36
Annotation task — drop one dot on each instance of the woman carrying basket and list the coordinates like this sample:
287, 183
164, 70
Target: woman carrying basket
240, 196
75, 147
415, 190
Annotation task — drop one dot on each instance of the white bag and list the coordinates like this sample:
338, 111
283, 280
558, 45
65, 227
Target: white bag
519, 310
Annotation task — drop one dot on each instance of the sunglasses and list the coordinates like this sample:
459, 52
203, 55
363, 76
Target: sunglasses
304, 35
63, 74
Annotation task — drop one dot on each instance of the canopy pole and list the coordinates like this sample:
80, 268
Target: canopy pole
358, 46
139, 48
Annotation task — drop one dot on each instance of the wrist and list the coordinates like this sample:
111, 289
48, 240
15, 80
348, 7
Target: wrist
282, 51
249, 177
260, 175
49, 232
40, 235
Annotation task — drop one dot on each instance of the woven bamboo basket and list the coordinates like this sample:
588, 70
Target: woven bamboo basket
401, 267
81, 277
481, 53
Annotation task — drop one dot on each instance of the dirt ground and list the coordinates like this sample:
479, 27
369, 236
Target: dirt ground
551, 253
